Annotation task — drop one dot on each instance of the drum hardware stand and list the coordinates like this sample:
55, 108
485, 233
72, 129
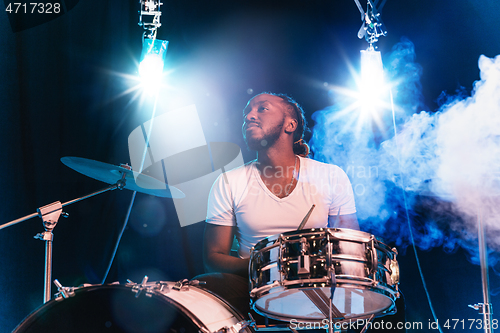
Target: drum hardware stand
486, 308
323, 303
179, 285
332, 311
368, 321
238, 327
64, 292
50, 215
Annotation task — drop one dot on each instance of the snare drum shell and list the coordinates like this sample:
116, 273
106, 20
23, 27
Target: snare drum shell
280, 273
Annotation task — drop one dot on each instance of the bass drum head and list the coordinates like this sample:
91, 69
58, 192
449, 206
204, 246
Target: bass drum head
110, 309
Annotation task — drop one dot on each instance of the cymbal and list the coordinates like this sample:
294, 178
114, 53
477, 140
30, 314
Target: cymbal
110, 174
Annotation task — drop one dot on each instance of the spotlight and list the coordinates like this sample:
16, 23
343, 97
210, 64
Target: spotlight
151, 65
153, 50
372, 85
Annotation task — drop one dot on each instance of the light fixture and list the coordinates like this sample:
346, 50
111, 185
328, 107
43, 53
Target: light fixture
372, 86
153, 50
372, 27
152, 62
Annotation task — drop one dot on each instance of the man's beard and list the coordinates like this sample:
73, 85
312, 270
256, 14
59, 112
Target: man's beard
267, 140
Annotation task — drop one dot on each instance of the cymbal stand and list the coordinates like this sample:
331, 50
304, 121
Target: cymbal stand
50, 215
368, 321
485, 308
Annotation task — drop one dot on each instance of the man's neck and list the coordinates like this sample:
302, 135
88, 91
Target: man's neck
275, 158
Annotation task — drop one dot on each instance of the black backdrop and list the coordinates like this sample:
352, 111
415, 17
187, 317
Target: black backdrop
60, 95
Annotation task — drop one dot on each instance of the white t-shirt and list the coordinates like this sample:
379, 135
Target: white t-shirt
240, 198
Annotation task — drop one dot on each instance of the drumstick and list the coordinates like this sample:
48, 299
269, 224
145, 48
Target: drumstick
304, 221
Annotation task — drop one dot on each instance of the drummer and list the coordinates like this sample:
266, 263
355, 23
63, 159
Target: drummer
270, 195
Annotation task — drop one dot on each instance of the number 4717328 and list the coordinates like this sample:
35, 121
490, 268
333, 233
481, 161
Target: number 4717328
33, 8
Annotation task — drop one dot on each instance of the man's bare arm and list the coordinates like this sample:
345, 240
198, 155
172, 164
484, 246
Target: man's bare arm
217, 244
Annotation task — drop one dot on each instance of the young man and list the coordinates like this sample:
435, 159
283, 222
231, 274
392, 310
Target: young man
270, 195
273, 193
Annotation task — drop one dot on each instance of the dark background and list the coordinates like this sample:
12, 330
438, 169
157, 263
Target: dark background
61, 94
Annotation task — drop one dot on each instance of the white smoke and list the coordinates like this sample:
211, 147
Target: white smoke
447, 162
454, 154
468, 150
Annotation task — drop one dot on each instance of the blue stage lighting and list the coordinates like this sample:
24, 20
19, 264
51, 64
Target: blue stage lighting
151, 65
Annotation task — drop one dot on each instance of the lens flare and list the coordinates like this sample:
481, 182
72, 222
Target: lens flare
372, 85
151, 65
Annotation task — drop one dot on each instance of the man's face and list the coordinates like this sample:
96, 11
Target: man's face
263, 121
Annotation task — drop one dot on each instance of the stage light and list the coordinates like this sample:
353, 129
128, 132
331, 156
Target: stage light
153, 50
151, 64
372, 87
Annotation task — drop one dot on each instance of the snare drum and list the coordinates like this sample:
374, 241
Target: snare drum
149, 308
292, 275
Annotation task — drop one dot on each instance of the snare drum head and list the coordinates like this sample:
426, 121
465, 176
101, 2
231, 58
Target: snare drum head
286, 304
116, 309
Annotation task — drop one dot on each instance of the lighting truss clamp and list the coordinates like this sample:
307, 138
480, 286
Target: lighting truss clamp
149, 17
372, 27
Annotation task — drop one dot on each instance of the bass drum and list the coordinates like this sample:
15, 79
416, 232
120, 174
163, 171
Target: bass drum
150, 308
